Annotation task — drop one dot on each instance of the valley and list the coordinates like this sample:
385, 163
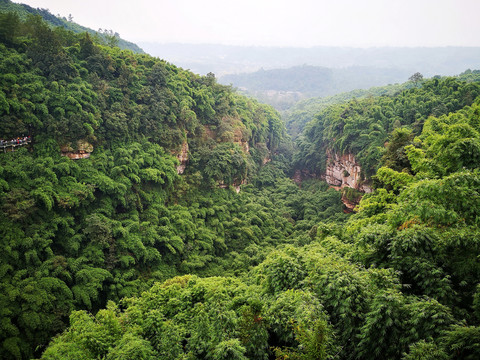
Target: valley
156, 213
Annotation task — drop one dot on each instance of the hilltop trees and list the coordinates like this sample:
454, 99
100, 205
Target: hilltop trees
416, 78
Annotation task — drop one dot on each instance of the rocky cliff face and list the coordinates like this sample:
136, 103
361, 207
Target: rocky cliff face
182, 156
344, 171
82, 151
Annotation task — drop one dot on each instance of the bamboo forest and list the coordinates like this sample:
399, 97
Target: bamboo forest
149, 212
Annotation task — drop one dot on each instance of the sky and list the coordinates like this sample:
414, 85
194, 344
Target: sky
303, 23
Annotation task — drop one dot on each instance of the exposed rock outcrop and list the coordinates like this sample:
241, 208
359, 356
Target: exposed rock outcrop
344, 171
239, 137
235, 185
182, 157
83, 150
349, 205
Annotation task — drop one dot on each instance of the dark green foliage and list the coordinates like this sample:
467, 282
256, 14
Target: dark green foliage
70, 87
189, 317
461, 342
312, 336
364, 314
10, 23
394, 156
65, 25
225, 164
283, 271
398, 280
300, 279
304, 111
361, 127
425, 351
77, 234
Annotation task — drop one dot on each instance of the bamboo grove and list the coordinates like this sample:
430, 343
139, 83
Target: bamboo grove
119, 256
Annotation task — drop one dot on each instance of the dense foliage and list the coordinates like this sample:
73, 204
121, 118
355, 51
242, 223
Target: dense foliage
398, 281
76, 234
304, 111
104, 36
56, 84
147, 263
362, 126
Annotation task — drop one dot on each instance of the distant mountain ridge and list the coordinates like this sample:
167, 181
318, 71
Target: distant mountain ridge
297, 116
282, 76
224, 59
24, 10
283, 87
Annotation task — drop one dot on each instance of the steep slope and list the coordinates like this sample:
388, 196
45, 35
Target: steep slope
111, 242
129, 179
302, 112
297, 116
360, 128
24, 11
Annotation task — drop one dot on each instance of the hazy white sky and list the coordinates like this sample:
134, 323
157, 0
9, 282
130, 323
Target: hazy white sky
359, 23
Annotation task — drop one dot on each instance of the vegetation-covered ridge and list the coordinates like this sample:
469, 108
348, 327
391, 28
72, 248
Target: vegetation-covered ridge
302, 112
297, 116
61, 86
105, 36
282, 88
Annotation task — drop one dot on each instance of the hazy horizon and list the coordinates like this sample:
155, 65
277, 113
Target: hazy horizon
281, 23
308, 47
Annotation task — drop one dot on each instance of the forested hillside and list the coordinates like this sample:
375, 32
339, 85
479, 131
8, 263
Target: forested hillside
75, 234
105, 36
297, 116
153, 215
363, 126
